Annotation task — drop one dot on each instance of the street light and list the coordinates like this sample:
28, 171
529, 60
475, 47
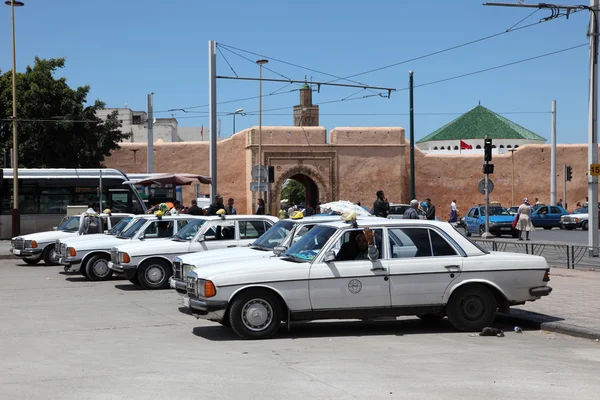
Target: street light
512, 159
16, 219
238, 111
260, 62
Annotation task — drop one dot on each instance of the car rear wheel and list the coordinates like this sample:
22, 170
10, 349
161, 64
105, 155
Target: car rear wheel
584, 225
50, 255
481, 230
467, 233
471, 308
32, 261
154, 274
255, 314
97, 268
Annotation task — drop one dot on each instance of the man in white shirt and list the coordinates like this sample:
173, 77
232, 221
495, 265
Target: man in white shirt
453, 211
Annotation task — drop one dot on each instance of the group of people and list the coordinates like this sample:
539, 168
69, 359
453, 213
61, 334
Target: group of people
178, 208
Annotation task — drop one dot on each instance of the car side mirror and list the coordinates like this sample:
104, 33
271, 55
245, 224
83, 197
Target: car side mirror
279, 250
200, 238
329, 256
143, 236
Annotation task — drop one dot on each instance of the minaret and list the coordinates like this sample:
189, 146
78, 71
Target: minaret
306, 114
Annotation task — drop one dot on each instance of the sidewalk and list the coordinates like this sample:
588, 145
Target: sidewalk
573, 307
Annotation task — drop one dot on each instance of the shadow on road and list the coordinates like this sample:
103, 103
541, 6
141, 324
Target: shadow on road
129, 288
300, 330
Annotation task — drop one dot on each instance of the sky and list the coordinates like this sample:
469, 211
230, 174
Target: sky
127, 49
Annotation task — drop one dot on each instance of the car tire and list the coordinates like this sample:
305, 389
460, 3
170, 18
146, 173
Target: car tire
467, 233
471, 308
32, 261
431, 318
584, 225
154, 274
266, 317
96, 269
481, 230
50, 256
561, 226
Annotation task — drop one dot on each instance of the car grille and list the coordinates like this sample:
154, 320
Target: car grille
567, 219
177, 269
114, 256
19, 244
190, 285
63, 250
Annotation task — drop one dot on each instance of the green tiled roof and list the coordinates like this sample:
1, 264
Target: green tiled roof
479, 122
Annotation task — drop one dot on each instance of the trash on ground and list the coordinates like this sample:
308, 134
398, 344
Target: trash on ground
518, 329
488, 331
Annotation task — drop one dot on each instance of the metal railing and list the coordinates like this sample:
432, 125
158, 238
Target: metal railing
556, 253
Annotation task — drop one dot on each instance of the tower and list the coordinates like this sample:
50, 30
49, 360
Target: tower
306, 114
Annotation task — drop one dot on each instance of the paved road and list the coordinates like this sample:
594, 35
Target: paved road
577, 236
62, 337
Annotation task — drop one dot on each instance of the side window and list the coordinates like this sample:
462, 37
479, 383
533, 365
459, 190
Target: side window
251, 229
159, 229
471, 213
440, 246
555, 210
224, 230
351, 245
476, 213
409, 242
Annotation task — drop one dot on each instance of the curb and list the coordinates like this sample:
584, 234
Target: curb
541, 323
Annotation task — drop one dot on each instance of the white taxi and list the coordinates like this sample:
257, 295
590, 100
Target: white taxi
39, 246
150, 263
413, 267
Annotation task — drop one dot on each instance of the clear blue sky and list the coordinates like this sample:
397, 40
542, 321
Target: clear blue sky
126, 49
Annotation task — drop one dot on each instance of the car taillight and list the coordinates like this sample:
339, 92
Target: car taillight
547, 276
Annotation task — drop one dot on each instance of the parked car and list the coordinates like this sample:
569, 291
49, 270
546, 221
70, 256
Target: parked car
500, 221
514, 210
397, 212
577, 219
39, 246
150, 264
547, 217
91, 255
273, 242
424, 268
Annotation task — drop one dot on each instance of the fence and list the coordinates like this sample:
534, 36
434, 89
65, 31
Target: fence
556, 254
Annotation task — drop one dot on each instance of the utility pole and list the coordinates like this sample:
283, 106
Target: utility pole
150, 157
553, 157
212, 117
557, 11
565, 187
487, 170
413, 194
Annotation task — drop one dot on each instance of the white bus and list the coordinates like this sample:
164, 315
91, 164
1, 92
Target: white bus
44, 195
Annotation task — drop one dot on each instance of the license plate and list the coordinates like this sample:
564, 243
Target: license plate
505, 229
16, 252
186, 302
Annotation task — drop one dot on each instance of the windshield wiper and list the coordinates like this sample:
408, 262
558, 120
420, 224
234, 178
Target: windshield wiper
259, 247
294, 258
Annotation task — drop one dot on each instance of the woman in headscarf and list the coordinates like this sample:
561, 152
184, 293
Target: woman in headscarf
524, 223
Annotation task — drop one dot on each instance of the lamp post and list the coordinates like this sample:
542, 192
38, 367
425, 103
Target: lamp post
238, 111
512, 160
16, 219
260, 62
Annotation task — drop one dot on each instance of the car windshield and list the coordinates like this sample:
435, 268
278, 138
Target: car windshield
274, 236
189, 231
581, 210
119, 226
307, 248
69, 224
132, 229
495, 211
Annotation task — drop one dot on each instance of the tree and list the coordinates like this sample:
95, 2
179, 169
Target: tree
293, 191
55, 127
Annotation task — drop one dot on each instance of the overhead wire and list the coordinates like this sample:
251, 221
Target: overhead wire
227, 61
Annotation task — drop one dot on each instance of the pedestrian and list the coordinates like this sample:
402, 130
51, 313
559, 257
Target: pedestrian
229, 209
411, 212
282, 213
260, 210
194, 209
524, 223
586, 202
381, 207
537, 202
176, 208
89, 221
560, 203
309, 210
292, 210
216, 206
430, 213
453, 212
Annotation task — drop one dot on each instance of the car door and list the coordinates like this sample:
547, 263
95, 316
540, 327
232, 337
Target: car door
218, 235
349, 283
423, 262
159, 229
250, 230
472, 220
540, 217
554, 216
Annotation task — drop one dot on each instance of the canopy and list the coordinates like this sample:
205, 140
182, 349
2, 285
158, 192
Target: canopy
344, 206
174, 179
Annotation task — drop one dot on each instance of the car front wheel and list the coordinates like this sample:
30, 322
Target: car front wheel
32, 261
96, 269
50, 255
154, 274
584, 225
255, 314
471, 308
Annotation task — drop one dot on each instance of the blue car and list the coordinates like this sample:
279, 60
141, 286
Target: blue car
500, 221
547, 217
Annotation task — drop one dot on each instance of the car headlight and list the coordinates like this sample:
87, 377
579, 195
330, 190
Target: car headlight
27, 244
124, 257
188, 268
576, 219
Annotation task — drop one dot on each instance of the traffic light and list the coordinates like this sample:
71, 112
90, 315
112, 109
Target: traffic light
487, 146
569, 172
488, 168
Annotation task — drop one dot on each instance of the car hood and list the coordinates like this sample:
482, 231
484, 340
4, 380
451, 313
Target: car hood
93, 242
502, 218
208, 258
152, 246
577, 215
48, 236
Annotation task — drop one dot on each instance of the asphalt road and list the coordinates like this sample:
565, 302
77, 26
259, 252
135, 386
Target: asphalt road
62, 337
576, 236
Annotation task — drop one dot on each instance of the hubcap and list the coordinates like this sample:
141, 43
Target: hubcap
155, 274
54, 255
100, 268
473, 308
257, 315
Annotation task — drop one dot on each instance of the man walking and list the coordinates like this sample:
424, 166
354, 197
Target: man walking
430, 211
381, 207
229, 209
194, 209
411, 213
453, 211
216, 206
